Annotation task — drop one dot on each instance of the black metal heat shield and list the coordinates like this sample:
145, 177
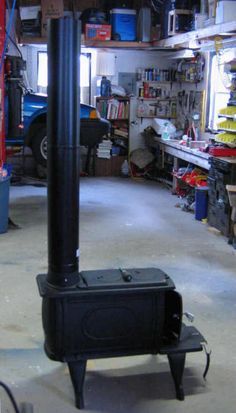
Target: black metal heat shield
110, 313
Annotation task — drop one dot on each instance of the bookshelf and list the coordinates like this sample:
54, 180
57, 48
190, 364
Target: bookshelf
113, 108
116, 109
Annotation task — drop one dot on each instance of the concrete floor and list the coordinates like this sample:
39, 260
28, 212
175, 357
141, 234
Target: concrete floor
123, 224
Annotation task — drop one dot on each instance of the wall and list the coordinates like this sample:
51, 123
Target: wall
125, 61
128, 61
30, 54
195, 92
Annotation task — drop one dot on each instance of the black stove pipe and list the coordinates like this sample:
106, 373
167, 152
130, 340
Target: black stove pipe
63, 129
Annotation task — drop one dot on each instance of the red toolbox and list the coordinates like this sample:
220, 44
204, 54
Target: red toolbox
98, 31
219, 151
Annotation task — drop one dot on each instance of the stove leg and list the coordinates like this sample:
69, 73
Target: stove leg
176, 362
77, 373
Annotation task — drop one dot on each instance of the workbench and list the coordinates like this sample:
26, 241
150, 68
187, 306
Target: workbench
179, 152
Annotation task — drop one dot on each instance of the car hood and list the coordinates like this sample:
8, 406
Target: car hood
37, 101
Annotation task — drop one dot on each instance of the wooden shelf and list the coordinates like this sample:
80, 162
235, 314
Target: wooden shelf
156, 116
93, 43
157, 99
208, 33
155, 81
32, 40
115, 136
223, 30
116, 44
193, 82
112, 97
119, 119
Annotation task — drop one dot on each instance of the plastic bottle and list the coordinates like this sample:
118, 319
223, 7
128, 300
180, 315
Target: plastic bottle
173, 109
105, 87
125, 168
165, 132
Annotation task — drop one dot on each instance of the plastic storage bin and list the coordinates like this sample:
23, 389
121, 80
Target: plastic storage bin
123, 23
201, 203
4, 204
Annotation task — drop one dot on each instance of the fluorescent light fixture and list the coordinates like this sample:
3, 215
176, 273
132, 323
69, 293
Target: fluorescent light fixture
105, 64
181, 54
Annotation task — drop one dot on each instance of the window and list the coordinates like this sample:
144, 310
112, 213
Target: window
219, 86
85, 78
42, 72
85, 75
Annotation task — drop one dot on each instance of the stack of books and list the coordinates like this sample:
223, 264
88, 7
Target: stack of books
104, 149
121, 132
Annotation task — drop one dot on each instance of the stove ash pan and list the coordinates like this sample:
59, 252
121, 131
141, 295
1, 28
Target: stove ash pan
113, 313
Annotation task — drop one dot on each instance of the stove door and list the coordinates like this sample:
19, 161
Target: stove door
113, 324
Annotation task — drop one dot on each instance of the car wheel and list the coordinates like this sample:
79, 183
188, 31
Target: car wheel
39, 146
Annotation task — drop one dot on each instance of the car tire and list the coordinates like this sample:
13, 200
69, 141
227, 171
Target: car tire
39, 146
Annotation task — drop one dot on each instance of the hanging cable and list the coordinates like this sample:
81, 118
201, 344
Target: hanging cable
156, 5
11, 397
16, 46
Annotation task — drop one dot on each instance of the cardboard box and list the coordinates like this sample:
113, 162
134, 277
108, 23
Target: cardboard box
52, 9
225, 11
97, 31
109, 167
29, 13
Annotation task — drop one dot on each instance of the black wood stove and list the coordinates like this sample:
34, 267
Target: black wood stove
102, 313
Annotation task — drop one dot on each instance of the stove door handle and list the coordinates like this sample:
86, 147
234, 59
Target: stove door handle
127, 277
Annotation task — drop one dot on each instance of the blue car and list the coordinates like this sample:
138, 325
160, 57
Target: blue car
33, 130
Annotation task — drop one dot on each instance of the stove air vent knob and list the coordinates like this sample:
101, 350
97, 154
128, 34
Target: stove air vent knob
127, 277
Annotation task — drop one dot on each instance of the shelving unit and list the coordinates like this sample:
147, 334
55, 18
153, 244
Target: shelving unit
229, 129
154, 89
155, 99
116, 110
113, 108
156, 109
191, 72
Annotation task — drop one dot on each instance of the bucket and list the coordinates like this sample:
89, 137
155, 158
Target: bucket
201, 203
4, 204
